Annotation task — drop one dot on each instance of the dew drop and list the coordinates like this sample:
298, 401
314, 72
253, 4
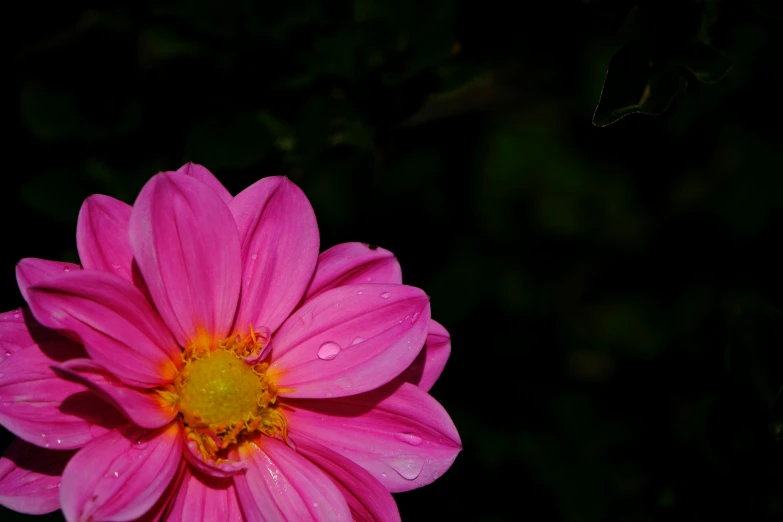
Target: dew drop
360, 292
386, 295
384, 475
67, 269
315, 504
358, 340
408, 466
435, 475
415, 317
116, 474
17, 315
46, 445
140, 444
254, 256
328, 350
410, 438
59, 441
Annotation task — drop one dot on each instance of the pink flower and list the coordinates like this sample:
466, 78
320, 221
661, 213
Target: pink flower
208, 364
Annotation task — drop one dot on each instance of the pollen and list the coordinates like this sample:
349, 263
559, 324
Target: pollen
219, 389
225, 396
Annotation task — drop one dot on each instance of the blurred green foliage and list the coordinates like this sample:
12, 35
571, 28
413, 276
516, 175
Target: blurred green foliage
613, 293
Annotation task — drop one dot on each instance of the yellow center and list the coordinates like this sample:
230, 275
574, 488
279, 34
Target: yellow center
225, 400
220, 389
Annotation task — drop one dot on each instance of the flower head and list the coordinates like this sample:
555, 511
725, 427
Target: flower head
208, 364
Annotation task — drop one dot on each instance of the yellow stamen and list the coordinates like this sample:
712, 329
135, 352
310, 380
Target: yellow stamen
223, 399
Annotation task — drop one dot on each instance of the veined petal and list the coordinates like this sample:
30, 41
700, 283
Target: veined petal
145, 408
38, 406
19, 329
185, 243
368, 499
280, 484
349, 340
429, 364
202, 174
201, 497
121, 475
31, 270
102, 236
353, 264
116, 324
279, 238
30, 478
402, 437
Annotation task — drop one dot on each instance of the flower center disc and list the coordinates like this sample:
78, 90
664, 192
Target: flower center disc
219, 389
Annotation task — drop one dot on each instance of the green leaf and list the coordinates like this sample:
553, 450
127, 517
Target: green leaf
633, 85
708, 64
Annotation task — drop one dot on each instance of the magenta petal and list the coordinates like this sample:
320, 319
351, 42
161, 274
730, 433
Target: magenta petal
349, 340
201, 497
280, 484
368, 499
279, 238
221, 469
145, 408
429, 364
185, 243
353, 264
30, 478
121, 475
403, 437
102, 236
43, 409
116, 324
201, 173
18, 329
30, 271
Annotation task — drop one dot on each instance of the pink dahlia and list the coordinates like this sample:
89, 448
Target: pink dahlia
206, 363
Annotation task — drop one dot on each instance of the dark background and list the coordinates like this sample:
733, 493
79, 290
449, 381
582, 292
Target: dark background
613, 293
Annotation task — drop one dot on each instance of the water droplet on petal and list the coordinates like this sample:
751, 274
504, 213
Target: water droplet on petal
358, 340
67, 269
408, 466
386, 295
46, 445
328, 351
384, 475
315, 504
254, 256
415, 317
116, 474
17, 315
59, 441
360, 292
410, 438
140, 444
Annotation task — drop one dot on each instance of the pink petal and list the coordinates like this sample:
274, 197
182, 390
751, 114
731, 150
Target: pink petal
353, 264
18, 329
368, 499
280, 484
279, 238
43, 409
113, 320
185, 242
349, 340
29, 271
403, 437
30, 478
121, 475
201, 497
145, 408
429, 364
223, 468
102, 236
201, 173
